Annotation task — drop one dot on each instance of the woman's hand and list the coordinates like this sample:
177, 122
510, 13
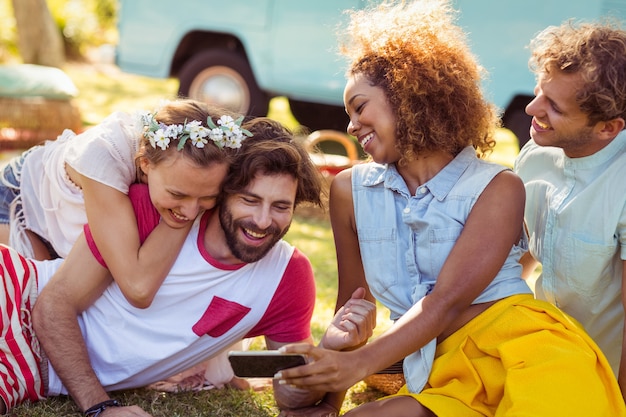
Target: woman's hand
352, 325
328, 370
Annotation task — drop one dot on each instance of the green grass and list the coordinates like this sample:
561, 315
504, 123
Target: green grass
222, 403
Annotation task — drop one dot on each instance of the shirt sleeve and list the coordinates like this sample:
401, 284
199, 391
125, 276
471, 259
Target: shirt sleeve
288, 317
147, 218
106, 152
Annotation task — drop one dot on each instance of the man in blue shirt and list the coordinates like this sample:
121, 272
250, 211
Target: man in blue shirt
574, 171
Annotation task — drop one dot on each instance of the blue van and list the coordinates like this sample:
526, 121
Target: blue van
242, 53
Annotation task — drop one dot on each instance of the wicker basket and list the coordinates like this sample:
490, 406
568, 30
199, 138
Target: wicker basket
332, 163
389, 380
28, 121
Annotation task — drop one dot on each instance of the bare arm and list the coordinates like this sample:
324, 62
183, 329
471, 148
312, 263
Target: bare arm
76, 285
138, 269
349, 266
493, 226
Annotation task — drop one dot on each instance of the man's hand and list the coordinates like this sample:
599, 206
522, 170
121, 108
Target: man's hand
352, 325
321, 410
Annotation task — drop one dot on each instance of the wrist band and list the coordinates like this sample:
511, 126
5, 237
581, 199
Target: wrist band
95, 410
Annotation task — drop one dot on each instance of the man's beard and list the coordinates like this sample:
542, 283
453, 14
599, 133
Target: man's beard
241, 250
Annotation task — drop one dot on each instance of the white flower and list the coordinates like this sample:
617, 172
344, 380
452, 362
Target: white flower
160, 139
172, 131
198, 141
227, 132
217, 136
226, 121
196, 130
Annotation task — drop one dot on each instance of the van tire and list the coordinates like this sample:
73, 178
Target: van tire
231, 79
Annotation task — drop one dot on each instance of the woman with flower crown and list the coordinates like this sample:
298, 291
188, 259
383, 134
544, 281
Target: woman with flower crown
51, 191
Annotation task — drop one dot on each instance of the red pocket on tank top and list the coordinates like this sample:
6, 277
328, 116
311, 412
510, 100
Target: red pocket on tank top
220, 316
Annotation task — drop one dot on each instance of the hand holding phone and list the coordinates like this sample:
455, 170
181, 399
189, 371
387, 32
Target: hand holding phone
263, 363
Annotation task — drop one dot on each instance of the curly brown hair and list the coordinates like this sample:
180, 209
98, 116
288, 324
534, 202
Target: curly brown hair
596, 51
273, 150
420, 58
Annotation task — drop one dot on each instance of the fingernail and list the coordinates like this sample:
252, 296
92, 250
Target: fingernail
278, 375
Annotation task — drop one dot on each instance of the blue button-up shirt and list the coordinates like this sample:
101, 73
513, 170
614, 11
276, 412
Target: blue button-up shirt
405, 237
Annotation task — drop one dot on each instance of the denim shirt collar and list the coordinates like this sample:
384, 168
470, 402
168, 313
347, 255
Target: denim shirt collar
440, 185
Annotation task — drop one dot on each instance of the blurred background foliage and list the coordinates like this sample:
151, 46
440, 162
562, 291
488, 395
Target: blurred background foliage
8, 42
84, 24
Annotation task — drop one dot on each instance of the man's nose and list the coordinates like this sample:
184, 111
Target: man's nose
262, 217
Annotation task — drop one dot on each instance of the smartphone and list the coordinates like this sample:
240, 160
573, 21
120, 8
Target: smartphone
262, 363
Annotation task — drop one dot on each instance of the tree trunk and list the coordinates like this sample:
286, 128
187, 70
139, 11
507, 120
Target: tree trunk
39, 39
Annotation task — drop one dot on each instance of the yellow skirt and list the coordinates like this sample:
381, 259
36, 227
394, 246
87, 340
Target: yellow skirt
521, 357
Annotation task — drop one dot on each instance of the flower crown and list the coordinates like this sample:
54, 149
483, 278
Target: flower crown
227, 133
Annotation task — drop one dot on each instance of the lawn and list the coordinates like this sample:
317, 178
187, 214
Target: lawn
104, 89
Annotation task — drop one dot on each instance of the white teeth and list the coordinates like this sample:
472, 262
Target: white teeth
254, 234
367, 138
178, 216
542, 125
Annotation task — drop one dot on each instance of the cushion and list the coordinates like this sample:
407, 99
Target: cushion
28, 80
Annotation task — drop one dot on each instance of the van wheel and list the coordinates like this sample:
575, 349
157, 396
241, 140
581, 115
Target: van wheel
225, 79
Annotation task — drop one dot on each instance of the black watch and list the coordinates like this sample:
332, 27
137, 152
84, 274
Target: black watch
95, 410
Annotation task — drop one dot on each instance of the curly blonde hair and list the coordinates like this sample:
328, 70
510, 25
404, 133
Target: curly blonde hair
596, 51
432, 81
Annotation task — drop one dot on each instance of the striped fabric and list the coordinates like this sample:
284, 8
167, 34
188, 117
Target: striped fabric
20, 376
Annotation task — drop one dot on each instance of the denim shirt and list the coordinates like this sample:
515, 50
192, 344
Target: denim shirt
405, 239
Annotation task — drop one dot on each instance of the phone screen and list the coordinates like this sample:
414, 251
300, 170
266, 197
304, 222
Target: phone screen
262, 364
